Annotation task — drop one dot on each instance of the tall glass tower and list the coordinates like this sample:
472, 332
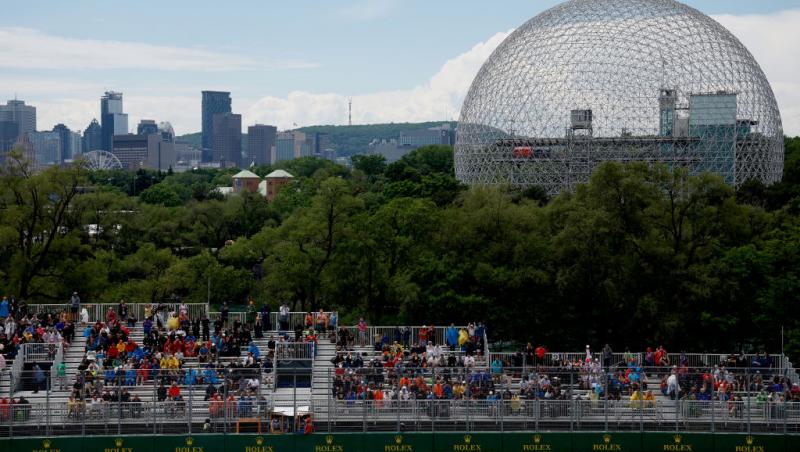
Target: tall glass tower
214, 102
112, 120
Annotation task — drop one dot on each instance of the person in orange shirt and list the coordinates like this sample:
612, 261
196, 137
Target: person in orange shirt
405, 381
378, 396
437, 390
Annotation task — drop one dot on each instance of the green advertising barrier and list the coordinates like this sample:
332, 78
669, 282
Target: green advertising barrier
749, 443
607, 442
468, 442
257, 443
45, 444
677, 442
538, 442
415, 442
398, 442
120, 443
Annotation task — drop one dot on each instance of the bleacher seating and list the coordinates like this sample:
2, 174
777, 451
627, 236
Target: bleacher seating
120, 377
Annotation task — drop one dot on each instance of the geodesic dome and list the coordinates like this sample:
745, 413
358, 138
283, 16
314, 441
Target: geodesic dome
627, 80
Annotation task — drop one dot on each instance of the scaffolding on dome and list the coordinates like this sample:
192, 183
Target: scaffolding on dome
591, 81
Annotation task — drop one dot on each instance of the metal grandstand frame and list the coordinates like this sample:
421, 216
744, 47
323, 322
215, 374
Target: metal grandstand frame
591, 81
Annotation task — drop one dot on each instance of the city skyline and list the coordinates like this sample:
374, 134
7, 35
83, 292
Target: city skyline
284, 81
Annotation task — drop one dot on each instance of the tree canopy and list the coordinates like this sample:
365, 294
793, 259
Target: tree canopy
638, 256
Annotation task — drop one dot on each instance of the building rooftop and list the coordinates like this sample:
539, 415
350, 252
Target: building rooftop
277, 174
245, 174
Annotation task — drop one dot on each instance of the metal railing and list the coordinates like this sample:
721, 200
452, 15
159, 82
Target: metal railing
294, 350
98, 311
491, 402
294, 318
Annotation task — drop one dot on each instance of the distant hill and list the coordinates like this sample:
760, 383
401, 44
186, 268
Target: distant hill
346, 140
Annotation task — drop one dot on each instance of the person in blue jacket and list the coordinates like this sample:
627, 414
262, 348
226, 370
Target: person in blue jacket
452, 337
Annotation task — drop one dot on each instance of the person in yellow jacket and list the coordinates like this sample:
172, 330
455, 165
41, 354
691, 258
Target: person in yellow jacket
463, 337
636, 399
649, 400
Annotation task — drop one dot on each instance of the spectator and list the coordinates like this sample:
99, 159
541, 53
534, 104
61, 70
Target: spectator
61, 374
4, 309
22, 407
452, 337
283, 317
608, 355
362, 331
39, 378
251, 312
75, 304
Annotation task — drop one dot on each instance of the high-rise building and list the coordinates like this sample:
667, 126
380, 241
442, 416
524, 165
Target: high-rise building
260, 140
214, 102
65, 135
290, 145
46, 148
322, 143
17, 112
92, 137
144, 151
166, 131
9, 132
112, 119
227, 148
146, 127
75, 145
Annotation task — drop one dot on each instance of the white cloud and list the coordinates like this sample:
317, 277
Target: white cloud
439, 98
24, 48
772, 39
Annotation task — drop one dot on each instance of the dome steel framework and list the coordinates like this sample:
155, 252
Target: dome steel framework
590, 81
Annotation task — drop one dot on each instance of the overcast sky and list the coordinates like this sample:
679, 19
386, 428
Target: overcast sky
298, 62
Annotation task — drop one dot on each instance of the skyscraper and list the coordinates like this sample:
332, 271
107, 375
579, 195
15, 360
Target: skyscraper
290, 145
17, 112
113, 121
146, 127
46, 148
227, 147
214, 102
92, 137
65, 136
9, 132
260, 140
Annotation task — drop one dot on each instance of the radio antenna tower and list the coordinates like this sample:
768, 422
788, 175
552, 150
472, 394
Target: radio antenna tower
350, 111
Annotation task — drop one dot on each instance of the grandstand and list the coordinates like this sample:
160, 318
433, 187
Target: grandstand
291, 377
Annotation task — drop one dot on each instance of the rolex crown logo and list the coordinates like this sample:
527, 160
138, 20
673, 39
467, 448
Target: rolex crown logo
259, 441
467, 439
118, 442
677, 439
46, 443
606, 438
749, 440
537, 439
329, 440
189, 441
398, 439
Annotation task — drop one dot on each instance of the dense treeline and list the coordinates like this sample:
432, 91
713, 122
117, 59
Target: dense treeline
639, 256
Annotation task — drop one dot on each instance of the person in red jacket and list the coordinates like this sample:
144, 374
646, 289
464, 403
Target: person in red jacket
540, 354
174, 391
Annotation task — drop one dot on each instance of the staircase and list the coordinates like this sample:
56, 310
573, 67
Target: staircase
322, 378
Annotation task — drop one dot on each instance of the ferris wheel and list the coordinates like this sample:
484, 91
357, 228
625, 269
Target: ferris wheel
101, 160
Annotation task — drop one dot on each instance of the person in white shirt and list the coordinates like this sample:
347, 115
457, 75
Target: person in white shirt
469, 361
673, 388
